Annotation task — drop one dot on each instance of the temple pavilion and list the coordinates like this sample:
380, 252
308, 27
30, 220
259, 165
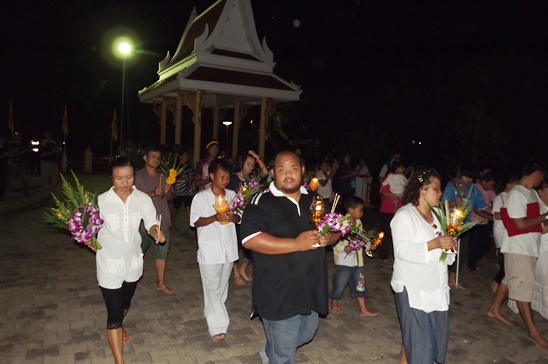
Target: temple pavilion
219, 64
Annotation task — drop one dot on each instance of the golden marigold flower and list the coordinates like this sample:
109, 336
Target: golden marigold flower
170, 180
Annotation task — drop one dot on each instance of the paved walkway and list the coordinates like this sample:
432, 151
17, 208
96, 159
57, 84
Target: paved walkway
53, 312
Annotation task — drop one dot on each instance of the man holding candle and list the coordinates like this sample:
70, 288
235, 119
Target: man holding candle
217, 245
290, 272
153, 183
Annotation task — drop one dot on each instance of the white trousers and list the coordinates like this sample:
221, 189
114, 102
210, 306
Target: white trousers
215, 279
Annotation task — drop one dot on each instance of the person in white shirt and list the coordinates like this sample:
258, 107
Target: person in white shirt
217, 246
361, 181
325, 178
120, 260
540, 293
524, 224
498, 226
420, 279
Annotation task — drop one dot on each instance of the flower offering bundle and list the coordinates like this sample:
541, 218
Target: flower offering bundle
171, 168
336, 223
452, 221
246, 192
78, 213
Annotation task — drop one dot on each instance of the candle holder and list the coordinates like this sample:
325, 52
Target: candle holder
316, 210
455, 221
221, 206
375, 243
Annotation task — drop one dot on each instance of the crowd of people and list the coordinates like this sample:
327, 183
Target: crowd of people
274, 235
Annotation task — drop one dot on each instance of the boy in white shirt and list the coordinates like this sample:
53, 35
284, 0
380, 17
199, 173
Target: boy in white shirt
349, 265
217, 246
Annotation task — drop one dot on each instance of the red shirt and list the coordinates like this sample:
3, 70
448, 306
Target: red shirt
387, 205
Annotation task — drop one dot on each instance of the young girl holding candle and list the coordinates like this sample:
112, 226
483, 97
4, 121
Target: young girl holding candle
217, 245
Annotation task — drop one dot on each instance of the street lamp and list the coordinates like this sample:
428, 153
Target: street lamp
123, 48
227, 123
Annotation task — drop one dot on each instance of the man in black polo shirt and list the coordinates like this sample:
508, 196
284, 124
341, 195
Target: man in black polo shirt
289, 271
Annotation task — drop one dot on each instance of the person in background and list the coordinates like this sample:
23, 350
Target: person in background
325, 179
362, 174
201, 174
153, 183
419, 279
499, 231
525, 224
389, 204
120, 260
183, 185
395, 155
346, 178
18, 167
480, 235
455, 192
243, 169
49, 154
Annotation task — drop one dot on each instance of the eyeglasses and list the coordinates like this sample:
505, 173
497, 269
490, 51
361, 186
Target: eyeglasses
422, 176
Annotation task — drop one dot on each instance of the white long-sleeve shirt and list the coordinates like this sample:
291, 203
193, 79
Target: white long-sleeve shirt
119, 237
415, 268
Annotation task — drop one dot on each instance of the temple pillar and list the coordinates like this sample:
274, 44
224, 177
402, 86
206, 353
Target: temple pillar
239, 113
267, 108
163, 122
195, 102
178, 119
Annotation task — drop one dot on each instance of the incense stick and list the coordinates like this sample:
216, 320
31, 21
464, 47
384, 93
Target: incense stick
335, 202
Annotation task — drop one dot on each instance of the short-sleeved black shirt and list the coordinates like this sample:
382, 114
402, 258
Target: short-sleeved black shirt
291, 284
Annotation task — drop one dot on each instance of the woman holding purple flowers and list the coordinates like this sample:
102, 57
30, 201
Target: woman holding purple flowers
419, 279
120, 260
243, 168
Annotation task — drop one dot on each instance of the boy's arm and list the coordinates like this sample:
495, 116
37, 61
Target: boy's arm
204, 221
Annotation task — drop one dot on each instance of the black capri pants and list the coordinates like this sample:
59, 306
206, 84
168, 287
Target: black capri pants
117, 301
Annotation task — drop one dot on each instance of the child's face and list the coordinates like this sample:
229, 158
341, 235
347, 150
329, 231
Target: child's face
399, 170
356, 212
220, 178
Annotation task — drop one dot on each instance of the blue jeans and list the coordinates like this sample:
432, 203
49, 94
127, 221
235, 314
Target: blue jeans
348, 276
285, 336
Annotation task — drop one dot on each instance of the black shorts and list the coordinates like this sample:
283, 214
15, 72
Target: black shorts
179, 200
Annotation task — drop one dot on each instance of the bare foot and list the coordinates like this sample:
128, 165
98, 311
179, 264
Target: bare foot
239, 281
368, 314
539, 341
335, 307
453, 284
125, 336
219, 337
498, 316
494, 286
164, 289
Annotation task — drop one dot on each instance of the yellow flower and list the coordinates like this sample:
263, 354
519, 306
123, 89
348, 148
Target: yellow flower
170, 180
172, 173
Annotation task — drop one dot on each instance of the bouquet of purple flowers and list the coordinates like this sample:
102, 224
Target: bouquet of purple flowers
79, 213
247, 190
336, 223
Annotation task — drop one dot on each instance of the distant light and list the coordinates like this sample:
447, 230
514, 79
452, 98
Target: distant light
296, 23
413, 142
251, 122
35, 150
227, 123
124, 48
420, 142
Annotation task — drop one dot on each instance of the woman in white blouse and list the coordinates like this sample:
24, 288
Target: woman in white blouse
120, 261
420, 279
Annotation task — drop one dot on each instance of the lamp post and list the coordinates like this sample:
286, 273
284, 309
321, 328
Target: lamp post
123, 48
226, 123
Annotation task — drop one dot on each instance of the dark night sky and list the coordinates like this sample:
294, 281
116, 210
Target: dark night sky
404, 70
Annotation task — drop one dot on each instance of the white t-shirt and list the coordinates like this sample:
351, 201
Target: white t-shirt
498, 226
397, 183
217, 244
525, 244
121, 258
327, 190
543, 237
415, 268
340, 257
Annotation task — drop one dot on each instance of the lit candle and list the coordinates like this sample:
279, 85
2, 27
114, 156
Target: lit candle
221, 206
314, 184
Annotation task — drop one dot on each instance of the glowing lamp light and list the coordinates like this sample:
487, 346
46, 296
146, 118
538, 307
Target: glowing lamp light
123, 47
314, 184
221, 206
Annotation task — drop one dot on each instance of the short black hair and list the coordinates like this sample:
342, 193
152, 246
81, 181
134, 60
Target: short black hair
488, 177
151, 148
542, 185
394, 165
216, 164
533, 165
121, 161
467, 170
352, 202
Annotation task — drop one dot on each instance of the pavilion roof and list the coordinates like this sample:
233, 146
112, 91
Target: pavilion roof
220, 54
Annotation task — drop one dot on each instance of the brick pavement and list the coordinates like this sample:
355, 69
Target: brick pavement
53, 312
